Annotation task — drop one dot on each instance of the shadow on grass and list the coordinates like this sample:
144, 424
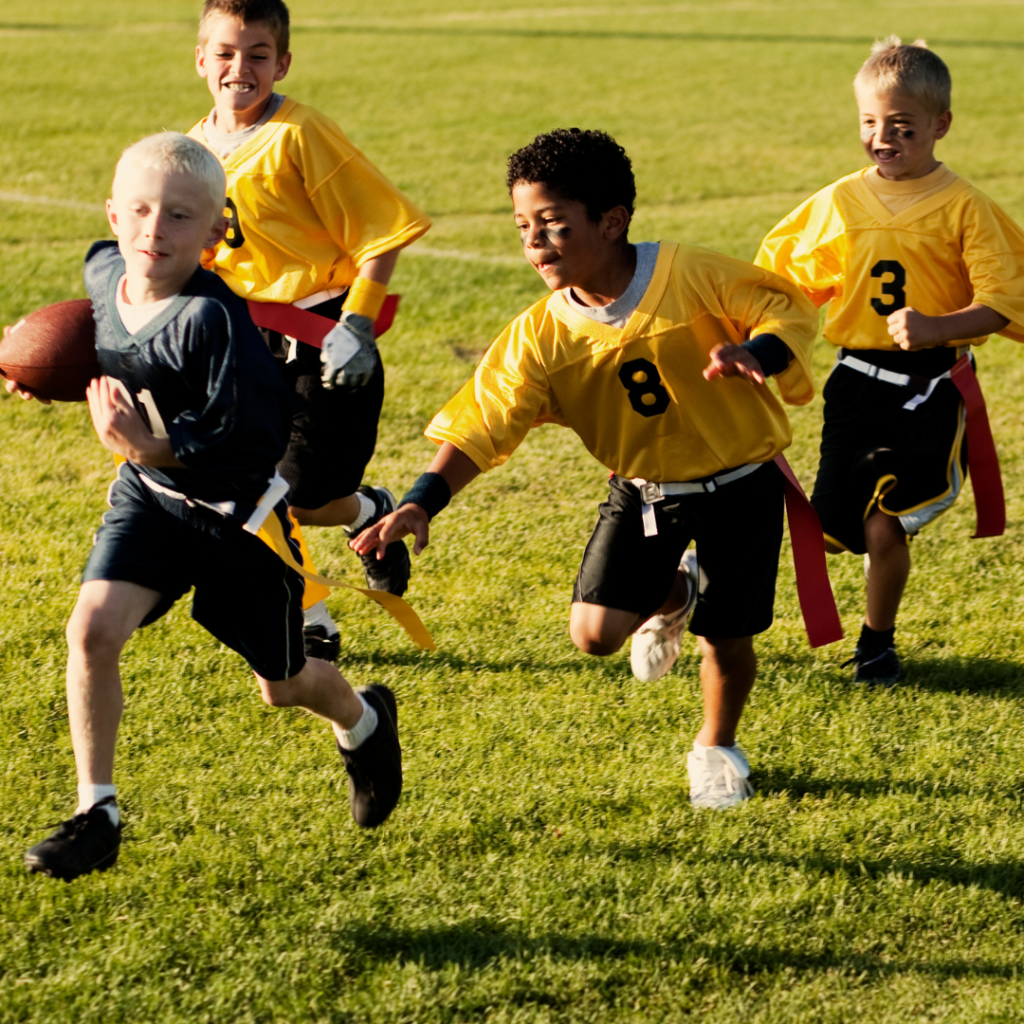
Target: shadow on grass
772, 783
479, 944
959, 675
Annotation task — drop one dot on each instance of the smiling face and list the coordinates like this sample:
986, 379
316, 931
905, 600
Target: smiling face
565, 247
899, 134
163, 220
240, 63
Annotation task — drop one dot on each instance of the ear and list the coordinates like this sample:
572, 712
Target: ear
615, 222
112, 216
200, 62
217, 233
943, 124
282, 67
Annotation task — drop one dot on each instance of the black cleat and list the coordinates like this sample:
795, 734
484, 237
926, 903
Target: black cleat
375, 766
876, 668
392, 572
318, 643
87, 842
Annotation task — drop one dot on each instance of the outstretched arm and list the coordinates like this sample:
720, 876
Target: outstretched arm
455, 468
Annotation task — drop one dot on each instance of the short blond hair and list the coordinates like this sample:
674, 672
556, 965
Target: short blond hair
911, 70
172, 151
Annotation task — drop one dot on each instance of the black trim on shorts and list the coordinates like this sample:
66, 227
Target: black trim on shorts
738, 531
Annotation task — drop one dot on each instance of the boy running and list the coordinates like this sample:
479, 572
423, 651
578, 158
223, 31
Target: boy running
314, 224
642, 351
192, 399
916, 265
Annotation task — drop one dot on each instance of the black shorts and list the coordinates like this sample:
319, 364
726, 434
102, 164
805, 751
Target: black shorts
244, 594
877, 454
738, 530
334, 431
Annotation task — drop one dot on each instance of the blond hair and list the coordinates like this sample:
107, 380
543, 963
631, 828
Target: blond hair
911, 70
172, 151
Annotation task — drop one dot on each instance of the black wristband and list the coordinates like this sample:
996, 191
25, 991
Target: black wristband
431, 492
771, 352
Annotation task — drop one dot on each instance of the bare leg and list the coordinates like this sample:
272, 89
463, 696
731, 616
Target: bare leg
888, 568
319, 688
727, 674
595, 629
105, 616
339, 512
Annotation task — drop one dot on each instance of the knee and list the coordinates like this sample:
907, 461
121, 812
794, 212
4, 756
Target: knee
591, 642
884, 534
93, 633
278, 693
729, 653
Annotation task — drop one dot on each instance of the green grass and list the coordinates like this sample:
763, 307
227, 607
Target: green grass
544, 864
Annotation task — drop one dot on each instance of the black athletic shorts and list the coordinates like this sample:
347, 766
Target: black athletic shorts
334, 431
877, 454
244, 594
738, 530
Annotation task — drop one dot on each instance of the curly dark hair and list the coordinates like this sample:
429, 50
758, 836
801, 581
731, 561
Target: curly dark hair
589, 167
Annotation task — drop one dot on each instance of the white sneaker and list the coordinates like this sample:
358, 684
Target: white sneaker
655, 645
718, 776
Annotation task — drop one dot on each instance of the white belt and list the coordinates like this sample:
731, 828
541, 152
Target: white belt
317, 297
651, 492
899, 379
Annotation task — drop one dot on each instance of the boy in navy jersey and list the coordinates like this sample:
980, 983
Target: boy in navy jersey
193, 402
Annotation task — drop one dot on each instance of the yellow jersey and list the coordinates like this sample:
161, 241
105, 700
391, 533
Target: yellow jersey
636, 396
868, 249
306, 209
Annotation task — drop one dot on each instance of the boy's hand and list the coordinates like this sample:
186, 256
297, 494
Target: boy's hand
349, 355
408, 519
120, 427
731, 360
912, 330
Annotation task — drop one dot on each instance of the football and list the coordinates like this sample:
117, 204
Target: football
52, 352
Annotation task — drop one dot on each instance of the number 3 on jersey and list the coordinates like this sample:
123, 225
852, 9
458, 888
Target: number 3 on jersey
641, 379
893, 288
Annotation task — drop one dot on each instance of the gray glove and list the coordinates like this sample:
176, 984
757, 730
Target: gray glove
349, 354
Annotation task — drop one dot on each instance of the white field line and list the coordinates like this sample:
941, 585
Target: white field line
68, 204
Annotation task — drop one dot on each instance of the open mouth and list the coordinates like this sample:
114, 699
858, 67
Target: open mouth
885, 156
239, 86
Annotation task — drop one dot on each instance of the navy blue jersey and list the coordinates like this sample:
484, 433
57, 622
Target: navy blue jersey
202, 368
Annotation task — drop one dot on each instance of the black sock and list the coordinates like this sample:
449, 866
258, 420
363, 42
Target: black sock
875, 639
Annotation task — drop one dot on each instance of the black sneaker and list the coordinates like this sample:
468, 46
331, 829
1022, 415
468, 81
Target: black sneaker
375, 766
87, 842
876, 668
318, 643
392, 572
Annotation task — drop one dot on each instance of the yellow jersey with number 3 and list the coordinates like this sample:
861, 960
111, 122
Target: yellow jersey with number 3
952, 248
637, 396
306, 209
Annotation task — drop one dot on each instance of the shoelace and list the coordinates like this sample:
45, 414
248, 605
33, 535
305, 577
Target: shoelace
670, 623
859, 659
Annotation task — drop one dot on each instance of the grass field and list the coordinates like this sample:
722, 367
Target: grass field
543, 864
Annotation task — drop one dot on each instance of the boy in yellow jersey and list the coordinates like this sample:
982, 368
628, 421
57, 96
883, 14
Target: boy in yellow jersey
312, 223
915, 264
643, 351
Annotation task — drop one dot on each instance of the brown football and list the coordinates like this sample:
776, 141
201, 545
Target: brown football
52, 352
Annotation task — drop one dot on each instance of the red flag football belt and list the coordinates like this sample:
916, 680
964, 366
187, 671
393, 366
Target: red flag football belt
982, 461
818, 605
311, 328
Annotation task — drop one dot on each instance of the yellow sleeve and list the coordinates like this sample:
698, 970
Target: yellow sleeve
362, 211
993, 251
509, 393
758, 301
809, 248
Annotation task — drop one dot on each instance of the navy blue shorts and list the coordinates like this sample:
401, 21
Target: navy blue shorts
244, 594
738, 530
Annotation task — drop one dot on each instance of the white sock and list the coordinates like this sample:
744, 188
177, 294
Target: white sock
362, 730
89, 795
318, 615
366, 512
